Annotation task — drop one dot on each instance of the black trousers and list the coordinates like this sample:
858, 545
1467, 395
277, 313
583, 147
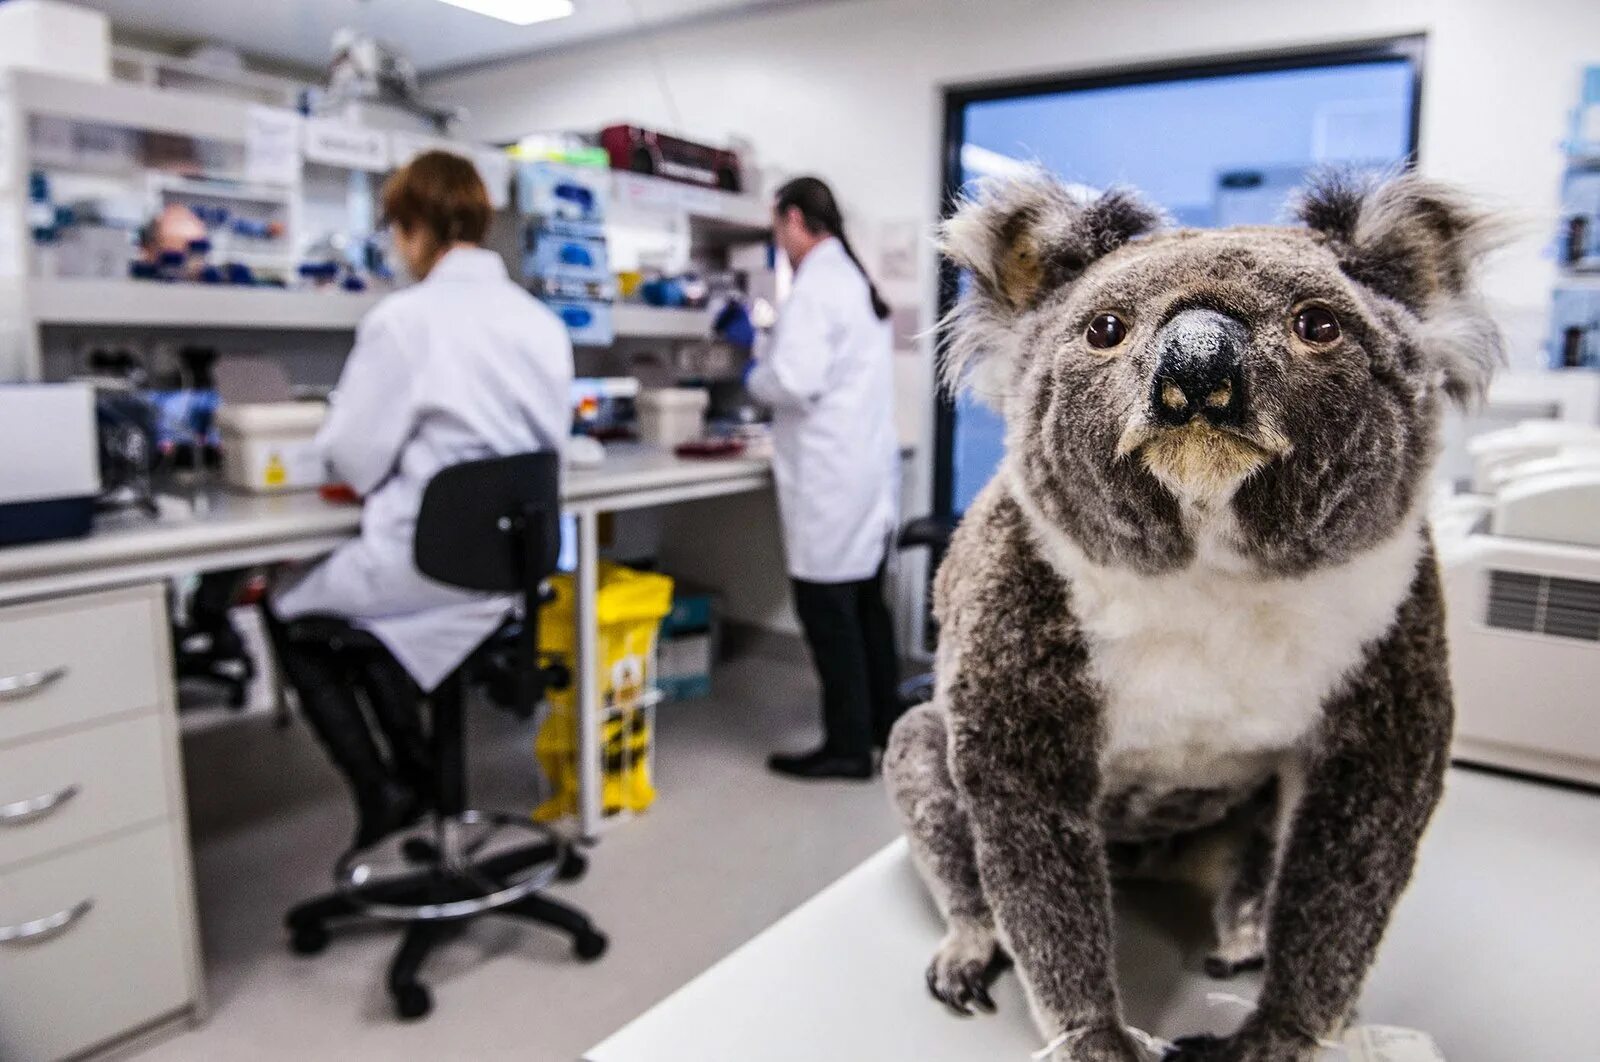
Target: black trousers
851, 637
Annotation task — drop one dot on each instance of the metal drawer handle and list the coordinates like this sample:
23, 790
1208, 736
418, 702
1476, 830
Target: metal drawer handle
43, 928
29, 682
24, 811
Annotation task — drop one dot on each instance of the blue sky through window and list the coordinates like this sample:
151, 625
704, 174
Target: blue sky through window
1216, 150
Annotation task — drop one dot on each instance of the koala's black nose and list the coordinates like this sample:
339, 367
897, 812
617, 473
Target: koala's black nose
1200, 369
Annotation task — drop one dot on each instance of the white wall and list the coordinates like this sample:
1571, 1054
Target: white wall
851, 90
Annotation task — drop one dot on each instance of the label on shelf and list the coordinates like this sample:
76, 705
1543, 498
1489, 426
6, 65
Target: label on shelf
272, 146
335, 143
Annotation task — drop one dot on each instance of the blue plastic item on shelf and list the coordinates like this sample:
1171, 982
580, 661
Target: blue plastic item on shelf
559, 257
588, 321
662, 291
551, 190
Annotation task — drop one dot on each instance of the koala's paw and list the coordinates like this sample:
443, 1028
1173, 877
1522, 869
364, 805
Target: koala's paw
966, 964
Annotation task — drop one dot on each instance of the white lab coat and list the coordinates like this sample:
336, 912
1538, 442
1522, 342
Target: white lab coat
829, 378
461, 366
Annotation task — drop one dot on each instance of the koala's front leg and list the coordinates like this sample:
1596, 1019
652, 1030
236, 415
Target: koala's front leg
1025, 735
1373, 786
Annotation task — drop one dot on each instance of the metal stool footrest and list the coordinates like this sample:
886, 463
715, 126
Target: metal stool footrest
454, 879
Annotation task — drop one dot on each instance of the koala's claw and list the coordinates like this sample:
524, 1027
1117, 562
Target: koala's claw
963, 969
1196, 1049
1222, 969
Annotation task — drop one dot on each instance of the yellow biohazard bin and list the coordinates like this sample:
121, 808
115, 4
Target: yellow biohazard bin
629, 611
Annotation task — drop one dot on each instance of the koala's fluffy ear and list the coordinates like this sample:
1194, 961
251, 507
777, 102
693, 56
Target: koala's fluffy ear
1022, 238
1419, 242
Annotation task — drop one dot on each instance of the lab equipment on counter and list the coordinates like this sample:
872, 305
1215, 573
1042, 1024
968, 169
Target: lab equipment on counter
671, 416
659, 155
270, 446
603, 406
1521, 564
49, 462
629, 606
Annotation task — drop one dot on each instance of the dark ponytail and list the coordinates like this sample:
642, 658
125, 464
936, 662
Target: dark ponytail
817, 206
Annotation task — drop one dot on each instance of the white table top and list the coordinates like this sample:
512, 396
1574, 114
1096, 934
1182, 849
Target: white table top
1494, 951
237, 529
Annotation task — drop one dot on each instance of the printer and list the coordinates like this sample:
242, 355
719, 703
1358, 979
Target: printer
49, 462
1520, 553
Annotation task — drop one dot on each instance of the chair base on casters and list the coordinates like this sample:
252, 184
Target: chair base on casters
435, 902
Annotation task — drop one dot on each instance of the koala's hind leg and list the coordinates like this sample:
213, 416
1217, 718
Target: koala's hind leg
916, 767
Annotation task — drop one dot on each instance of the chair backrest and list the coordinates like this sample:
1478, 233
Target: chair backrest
495, 525
492, 524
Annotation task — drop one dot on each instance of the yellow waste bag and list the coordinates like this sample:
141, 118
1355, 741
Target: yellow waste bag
629, 610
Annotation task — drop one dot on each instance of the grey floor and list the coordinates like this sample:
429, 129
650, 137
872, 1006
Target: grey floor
729, 849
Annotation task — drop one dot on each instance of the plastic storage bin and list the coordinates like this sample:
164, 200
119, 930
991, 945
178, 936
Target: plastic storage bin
630, 608
672, 415
270, 446
688, 645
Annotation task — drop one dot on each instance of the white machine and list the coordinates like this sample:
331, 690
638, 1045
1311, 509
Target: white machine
1521, 560
49, 462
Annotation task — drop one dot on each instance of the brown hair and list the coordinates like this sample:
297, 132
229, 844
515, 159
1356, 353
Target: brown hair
440, 194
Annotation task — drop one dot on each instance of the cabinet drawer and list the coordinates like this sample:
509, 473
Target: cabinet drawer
77, 659
57, 791
119, 965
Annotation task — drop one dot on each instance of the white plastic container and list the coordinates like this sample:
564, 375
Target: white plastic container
270, 446
55, 38
672, 415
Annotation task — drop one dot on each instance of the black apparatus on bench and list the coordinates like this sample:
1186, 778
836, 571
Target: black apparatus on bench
491, 525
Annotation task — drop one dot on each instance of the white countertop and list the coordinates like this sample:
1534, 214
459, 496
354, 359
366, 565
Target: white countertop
237, 529
1492, 951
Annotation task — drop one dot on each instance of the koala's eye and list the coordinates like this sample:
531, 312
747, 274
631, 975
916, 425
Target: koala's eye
1316, 324
1105, 331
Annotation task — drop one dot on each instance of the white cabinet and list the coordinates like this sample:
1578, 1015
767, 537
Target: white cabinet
97, 926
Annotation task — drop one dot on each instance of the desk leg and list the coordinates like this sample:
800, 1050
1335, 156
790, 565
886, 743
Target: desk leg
588, 678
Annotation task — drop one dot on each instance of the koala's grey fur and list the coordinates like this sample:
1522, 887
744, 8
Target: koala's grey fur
1042, 767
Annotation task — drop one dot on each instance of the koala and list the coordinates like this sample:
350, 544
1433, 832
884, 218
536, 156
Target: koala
1193, 626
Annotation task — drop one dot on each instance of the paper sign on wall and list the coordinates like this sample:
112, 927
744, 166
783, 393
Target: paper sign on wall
495, 169
272, 146
335, 143
403, 147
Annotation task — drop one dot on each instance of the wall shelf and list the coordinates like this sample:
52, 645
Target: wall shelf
634, 321
726, 216
130, 106
157, 305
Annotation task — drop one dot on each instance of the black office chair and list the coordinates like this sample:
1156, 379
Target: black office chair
490, 525
933, 534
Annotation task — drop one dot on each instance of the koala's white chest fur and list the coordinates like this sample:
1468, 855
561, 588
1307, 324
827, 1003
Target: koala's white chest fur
1214, 675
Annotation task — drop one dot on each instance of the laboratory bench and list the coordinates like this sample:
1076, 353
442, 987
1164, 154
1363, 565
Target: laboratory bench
96, 899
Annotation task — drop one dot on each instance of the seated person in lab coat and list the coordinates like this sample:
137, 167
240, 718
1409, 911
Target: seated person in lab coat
464, 364
829, 378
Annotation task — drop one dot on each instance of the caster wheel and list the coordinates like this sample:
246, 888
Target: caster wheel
590, 946
418, 850
573, 865
412, 1002
308, 939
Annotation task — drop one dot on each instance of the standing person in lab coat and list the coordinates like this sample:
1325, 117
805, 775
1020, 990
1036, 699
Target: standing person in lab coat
461, 365
829, 378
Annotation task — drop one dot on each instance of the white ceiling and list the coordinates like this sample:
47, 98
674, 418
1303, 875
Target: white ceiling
435, 35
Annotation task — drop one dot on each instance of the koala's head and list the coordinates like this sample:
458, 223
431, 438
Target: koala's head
1277, 388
